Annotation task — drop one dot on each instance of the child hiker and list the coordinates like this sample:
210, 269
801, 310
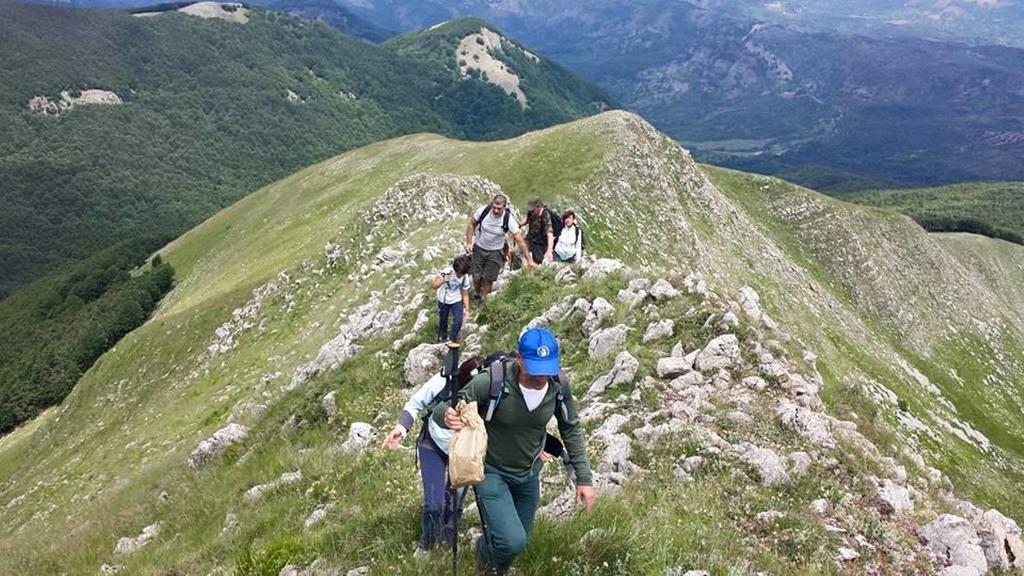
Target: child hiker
452, 298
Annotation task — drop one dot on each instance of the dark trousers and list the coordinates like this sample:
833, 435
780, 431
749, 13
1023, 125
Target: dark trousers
456, 311
440, 513
509, 503
537, 251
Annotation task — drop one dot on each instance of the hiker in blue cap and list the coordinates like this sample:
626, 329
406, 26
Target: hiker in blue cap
516, 409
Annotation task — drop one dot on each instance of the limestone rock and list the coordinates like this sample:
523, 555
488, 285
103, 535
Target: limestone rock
663, 290
750, 303
128, 545
360, 435
952, 539
770, 468
565, 276
658, 330
1001, 541
284, 480
673, 367
607, 341
811, 425
215, 445
360, 571
422, 362
799, 463
893, 497
596, 314
328, 404
623, 370
694, 283
111, 568
819, 506
603, 267
722, 352
847, 554
631, 298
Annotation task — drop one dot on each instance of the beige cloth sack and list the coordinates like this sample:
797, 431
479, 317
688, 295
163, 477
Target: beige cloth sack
467, 449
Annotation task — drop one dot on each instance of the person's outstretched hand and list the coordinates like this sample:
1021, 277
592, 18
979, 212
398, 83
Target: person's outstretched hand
393, 439
469, 247
585, 495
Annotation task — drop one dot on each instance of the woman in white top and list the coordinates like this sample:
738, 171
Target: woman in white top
432, 447
569, 245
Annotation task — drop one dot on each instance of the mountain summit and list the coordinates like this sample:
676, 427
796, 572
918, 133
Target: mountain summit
774, 381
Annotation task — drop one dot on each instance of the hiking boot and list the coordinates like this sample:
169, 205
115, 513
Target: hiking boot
484, 569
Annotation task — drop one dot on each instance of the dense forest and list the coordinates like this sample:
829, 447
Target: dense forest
994, 209
211, 110
58, 326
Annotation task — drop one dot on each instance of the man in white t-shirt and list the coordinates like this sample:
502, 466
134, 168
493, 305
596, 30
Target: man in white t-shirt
485, 238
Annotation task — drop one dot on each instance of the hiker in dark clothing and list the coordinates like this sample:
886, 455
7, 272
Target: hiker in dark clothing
509, 494
440, 513
485, 239
540, 238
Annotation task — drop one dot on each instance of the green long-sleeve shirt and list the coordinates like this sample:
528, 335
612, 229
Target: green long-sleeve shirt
515, 435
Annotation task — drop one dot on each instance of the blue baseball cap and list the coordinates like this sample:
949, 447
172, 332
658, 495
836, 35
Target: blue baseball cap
538, 348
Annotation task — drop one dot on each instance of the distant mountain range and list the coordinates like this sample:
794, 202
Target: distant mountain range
114, 125
795, 96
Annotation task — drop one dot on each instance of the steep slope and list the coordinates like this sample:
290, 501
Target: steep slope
804, 426
169, 116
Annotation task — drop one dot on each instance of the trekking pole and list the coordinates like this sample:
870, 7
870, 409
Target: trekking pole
483, 522
451, 374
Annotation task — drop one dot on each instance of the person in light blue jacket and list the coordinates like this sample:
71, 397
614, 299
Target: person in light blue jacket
440, 514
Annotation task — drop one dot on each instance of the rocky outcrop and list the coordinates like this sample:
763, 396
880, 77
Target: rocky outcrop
607, 341
215, 445
659, 330
954, 542
360, 436
722, 352
284, 480
597, 312
769, 467
128, 545
623, 370
422, 362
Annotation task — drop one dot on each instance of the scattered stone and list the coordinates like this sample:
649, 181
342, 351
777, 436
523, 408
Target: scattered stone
663, 290
768, 465
769, 516
261, 489
128, 545
215, 445
686, 381
631, 298
605, 342
596, 314
360, 436
952, 539
678, 351
673, 367
959, 571
658, 330
328, 404
693, 464
739, 419
361, 571
799, 463
819, 506
424, 361
811, 425
893, 497
230, 524
315, 517
755, 383
750, 303
623, 371
722, 352
694, 283
1001, 541
565, 276
111, 568
847, 554
680, 571
603, 267
729, 320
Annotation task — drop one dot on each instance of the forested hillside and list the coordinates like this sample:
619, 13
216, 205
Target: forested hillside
992, 209
169, 117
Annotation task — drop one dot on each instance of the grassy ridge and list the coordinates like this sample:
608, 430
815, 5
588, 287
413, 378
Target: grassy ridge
93, 470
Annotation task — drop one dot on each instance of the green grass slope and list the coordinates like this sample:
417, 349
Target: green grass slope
212, 109
916, 351
994, 209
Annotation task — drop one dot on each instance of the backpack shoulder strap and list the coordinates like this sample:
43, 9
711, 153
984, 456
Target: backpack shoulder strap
497, 390
561, 394
504, 221
480, 218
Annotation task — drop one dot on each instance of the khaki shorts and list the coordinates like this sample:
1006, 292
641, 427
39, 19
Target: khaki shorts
487, 264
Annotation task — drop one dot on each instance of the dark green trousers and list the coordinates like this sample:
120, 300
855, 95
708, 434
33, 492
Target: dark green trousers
509, 503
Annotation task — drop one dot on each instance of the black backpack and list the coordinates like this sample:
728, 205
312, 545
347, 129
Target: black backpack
556, 224
504, 220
